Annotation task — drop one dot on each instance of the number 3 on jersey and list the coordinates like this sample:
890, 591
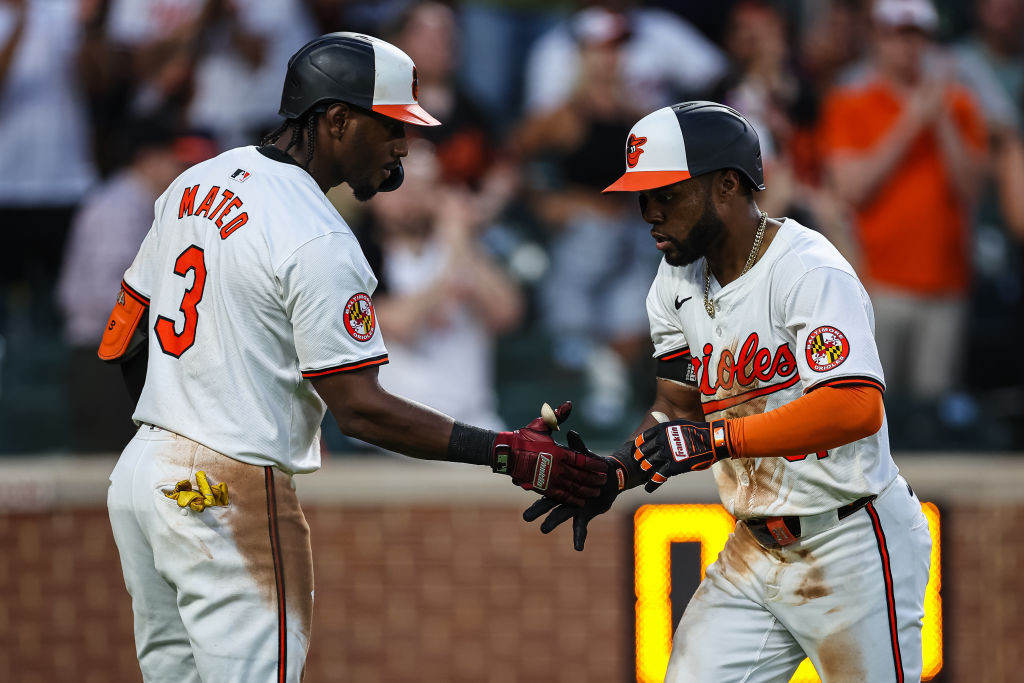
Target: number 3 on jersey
171, 342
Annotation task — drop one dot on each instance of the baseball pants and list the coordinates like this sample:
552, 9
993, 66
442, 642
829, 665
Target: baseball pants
851, 598
224, 595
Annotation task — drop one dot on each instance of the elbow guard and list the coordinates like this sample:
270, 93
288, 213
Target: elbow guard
124, 336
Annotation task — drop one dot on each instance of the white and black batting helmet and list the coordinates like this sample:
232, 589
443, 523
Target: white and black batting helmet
360, 70
687, 140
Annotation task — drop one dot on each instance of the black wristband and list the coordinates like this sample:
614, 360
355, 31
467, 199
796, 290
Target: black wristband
471, 444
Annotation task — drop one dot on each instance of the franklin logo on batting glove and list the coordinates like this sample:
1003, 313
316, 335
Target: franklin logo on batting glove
676, 442
692, 446
540, 480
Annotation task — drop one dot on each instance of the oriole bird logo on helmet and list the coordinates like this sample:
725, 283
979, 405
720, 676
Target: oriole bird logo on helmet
633, 150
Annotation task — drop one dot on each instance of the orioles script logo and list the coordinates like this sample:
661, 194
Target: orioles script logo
633, 150
751, 363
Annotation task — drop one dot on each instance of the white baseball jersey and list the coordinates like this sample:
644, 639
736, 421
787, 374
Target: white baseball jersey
255, 285
785, 327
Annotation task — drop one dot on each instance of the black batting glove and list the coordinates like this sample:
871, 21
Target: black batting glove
623, 472
680, 446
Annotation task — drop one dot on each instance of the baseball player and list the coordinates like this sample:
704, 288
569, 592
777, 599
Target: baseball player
247, 308
768, 375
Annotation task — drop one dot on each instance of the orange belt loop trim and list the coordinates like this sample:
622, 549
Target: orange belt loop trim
780, 532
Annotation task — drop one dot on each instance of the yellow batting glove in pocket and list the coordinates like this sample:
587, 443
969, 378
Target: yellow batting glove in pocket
206, 496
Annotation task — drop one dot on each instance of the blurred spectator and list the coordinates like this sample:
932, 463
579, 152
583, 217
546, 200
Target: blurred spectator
831, 38
601, 256
994, 53
243, 62
495, 36
991, 65
361, 16
710, 18
765, 85
45, 161
761, 82
218, 63
904, 146
662, 59
158, 43
105, 236
1008, 168
465, 143
442, 301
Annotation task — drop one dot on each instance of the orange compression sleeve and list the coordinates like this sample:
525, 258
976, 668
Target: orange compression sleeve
825, 418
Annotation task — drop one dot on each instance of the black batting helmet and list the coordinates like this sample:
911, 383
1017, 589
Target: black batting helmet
361, 70
687, 140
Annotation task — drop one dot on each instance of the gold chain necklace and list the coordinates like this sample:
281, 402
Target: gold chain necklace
709, 306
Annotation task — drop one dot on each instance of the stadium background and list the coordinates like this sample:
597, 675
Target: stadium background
424, 571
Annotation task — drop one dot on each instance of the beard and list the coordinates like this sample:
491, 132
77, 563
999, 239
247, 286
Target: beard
705, 233
364, 191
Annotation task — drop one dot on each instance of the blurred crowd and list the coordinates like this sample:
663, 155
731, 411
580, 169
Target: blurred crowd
892, 126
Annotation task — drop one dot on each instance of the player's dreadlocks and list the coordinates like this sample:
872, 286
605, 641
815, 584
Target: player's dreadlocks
307, 121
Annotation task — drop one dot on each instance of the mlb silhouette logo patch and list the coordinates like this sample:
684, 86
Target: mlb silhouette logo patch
240, 175
826, 348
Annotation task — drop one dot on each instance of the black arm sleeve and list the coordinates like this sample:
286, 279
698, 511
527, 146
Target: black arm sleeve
133, 371
134, 362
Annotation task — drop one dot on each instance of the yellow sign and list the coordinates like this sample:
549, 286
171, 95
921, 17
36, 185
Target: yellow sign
657, 527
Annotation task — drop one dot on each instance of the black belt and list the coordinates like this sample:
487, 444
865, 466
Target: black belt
774, 532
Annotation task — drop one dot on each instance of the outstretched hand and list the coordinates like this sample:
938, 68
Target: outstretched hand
536, 462
580, 514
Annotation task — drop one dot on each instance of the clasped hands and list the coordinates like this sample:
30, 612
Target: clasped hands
569, 476
665, 450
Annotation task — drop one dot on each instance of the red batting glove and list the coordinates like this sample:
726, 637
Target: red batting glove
534, 461
581, 516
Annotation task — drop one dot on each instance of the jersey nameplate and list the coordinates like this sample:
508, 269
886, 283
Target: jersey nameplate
216, 205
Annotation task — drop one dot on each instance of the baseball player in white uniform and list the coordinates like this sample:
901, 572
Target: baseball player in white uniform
247, 310
767, 374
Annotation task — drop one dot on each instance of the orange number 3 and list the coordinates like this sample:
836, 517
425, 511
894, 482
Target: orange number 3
172, 343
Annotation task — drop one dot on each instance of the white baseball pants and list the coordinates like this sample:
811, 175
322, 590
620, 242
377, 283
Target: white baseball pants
224, 595
850, 598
